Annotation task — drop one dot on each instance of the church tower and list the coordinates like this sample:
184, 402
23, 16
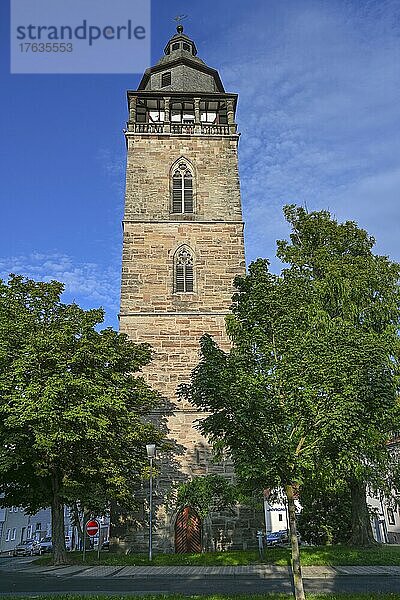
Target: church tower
183, 236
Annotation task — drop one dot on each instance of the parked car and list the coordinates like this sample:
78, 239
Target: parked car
277, 538
46, 544
27, 548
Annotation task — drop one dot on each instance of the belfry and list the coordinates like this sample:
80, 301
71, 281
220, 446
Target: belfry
182, 245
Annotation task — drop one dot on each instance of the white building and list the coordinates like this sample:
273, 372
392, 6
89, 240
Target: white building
276, 518
385, 519
16, 525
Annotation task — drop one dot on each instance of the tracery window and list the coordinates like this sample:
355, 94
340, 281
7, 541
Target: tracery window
182, 189
183, 270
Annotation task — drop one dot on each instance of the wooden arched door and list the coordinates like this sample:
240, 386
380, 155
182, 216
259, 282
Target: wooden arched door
187, 531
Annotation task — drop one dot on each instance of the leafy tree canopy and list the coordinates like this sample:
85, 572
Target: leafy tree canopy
73, 410
312, 375
208, 493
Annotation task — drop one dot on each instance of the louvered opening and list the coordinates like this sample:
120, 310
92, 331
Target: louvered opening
180, 278
189, 278
182, 190
177, 194
188, 199
188, 193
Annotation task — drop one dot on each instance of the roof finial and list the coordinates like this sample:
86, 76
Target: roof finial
178, 19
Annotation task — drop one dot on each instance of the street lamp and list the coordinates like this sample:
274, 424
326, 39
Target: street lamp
151, 453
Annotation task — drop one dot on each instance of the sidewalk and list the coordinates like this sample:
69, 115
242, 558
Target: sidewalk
262, 571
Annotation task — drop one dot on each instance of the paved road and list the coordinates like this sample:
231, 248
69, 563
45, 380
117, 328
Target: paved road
20, 578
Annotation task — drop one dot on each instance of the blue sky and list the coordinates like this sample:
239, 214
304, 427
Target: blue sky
319, 114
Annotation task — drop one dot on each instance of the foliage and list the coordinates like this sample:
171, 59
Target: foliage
356, 317
261, 410
207, 493
325, 517
72, 410
311, 381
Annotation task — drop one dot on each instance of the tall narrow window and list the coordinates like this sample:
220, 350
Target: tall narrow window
183, 271
182, 190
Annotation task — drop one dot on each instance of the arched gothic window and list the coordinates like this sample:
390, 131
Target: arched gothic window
182, 189
183, 270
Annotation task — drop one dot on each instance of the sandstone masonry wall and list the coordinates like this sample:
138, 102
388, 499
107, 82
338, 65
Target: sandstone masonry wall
174, 322
148, 176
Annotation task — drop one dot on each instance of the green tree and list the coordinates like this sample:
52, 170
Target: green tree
325, 516
356, 306
207, 493
261, 412
73, 410
311, 376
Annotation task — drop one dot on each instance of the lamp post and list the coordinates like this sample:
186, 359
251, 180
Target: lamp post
151, 453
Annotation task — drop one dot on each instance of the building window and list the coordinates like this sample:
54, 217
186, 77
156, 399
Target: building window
14, 533
166, 79
183, 270
182, 189
29, 532
8, 535
175, 46
187, 46
150, 110
280, 517
214, 112
182, 112
391, 518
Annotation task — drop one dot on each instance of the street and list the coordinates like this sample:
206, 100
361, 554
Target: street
21, 577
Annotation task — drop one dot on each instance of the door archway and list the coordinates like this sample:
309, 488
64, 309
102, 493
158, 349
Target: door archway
187, 531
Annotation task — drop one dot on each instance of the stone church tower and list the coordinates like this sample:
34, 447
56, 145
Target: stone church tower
183, 241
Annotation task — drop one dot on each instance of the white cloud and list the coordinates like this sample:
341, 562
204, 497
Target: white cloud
319, 112
89, 284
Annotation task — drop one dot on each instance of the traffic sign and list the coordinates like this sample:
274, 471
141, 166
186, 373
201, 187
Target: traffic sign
92, 528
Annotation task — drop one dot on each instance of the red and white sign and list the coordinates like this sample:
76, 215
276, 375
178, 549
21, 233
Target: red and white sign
92, 528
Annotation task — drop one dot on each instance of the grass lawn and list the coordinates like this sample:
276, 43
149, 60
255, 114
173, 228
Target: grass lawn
218, 597
310, 556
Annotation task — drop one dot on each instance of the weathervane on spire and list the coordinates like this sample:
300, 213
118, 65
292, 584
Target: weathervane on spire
179, 19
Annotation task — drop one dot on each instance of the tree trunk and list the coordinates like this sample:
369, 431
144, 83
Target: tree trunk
57, 524
294, 542
361, 528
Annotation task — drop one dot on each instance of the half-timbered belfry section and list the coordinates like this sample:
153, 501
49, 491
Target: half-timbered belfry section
183, 240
